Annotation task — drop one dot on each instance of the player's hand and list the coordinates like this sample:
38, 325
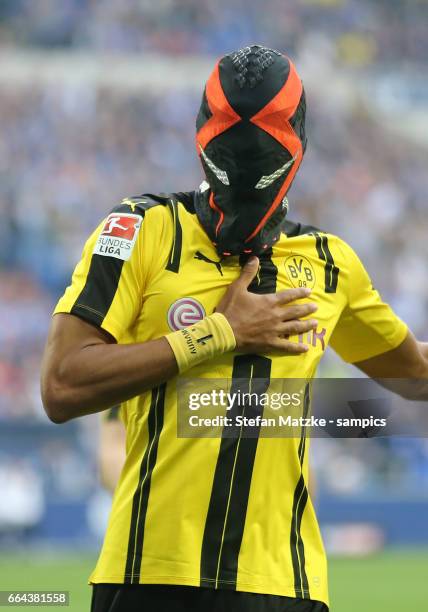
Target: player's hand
263, 323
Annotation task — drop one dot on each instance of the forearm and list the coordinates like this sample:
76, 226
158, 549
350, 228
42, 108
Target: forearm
403, 370
419, 386
414, 389
98, 376
85, 371
423, 349
413, 384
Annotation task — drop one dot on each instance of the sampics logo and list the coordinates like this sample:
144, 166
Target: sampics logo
118, 236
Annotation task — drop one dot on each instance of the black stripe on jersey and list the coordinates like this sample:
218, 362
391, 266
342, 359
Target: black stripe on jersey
331, 270
173, 264
187, 198
292, 229
227, 510
297, 548
142, 492
148, 200
229, 496
101, 284
100, 288
265, 280
306, 405
301, 585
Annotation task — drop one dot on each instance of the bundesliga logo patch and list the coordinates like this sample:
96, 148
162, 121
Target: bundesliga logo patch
118, 236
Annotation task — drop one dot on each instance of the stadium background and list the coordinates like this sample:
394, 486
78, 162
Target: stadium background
97, 102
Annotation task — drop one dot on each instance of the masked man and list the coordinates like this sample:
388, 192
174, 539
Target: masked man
216, 283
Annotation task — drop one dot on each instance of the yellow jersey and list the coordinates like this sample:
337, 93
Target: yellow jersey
216, 512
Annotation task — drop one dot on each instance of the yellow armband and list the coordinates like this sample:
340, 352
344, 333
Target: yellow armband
210, 337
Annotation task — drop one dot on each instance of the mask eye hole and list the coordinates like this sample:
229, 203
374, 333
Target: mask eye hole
220, 174
268, 179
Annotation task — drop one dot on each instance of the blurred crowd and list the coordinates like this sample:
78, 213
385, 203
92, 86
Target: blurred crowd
69, 154
364, 30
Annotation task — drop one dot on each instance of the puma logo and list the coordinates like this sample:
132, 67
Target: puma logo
202, 257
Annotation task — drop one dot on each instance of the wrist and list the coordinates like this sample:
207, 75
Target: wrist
202, 341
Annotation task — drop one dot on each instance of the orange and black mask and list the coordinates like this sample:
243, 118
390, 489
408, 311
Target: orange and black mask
251, 140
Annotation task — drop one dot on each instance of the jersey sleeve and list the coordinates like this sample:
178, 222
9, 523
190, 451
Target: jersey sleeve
108, 283
368, 326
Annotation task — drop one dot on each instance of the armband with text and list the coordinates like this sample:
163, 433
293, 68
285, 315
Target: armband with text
199, 342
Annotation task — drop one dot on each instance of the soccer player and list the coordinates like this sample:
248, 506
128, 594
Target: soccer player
216, 283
